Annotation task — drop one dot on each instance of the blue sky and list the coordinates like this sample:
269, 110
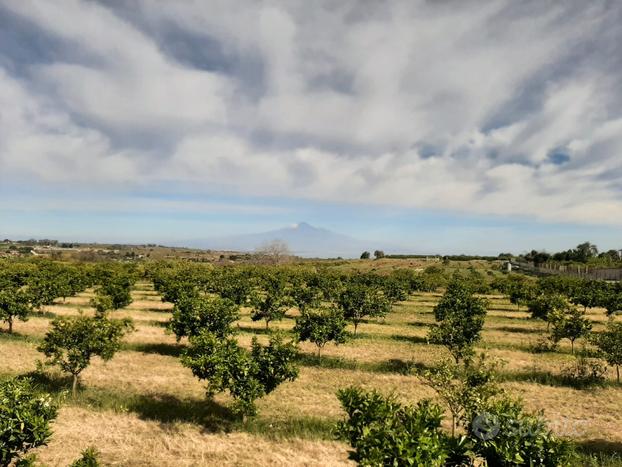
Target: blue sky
474, 127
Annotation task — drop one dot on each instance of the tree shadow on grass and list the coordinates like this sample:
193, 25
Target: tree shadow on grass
17, 336
160, 348
157, 309
601, 446
518, 329
166, 409
163, 408
410, 339
253, 330
393, 365
420, 324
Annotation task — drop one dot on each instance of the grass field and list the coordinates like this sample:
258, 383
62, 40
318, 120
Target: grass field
145, 408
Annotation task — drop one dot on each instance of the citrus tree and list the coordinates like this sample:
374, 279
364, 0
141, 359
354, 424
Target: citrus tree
359, 301
460, 319
14, 304
72, 342
570, 324
247, 375
192, 315
321, 326
609, 343
25, 417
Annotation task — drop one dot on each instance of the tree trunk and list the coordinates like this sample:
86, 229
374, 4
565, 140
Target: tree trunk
10, 320
572, 347
618, 372
356, 324
74, 386
319, 354
267, 324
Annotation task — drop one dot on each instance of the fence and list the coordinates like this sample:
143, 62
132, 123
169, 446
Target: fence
585, 272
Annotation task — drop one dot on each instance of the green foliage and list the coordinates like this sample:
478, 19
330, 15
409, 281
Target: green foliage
320, 327
505, 435
25, 418
365, 255
589, 294
544, 305
569, 323
192, 315
464, 389
609, 344
246, 375
14, 303
70, 343
358, 301
395, 288
89, 458
272, 300
460, 317
101, 302
118, 289
498, 430
385, 433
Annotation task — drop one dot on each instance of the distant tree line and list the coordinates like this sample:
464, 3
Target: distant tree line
583, 253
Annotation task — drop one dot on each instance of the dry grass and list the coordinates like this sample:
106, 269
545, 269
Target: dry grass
144, 408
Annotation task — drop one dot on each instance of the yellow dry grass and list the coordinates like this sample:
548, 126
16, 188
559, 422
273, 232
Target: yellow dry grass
149, 368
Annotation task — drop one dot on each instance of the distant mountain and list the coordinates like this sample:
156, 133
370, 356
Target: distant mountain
302, 239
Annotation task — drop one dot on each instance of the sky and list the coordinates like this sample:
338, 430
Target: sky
440, 126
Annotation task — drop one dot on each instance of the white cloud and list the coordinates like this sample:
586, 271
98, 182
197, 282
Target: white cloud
434, 105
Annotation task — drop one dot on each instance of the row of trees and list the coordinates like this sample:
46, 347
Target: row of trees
582, 253
25, 287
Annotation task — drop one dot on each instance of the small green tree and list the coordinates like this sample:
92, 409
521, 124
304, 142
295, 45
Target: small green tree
269, 306
378, 254
72, 342
118, 288
464, 390
359, 301
365, 255
101, 302
545, 304
25, 417
611, 300
460, 317
247, 375
194, 315
304, 296
609, 343
569, 324
320, 327
14, 304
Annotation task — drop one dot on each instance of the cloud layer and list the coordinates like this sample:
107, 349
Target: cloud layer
498, 107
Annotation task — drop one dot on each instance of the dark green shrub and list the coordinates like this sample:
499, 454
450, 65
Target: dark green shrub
192, 315
25, 418
507, 436
321, 327
383, 432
